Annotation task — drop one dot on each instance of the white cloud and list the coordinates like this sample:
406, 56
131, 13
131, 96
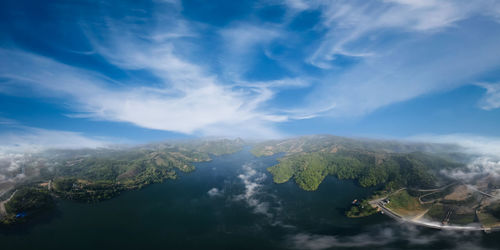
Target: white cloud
484, 154
28, 139
472, 144
318, 242
241, 42
187, 97
347, 22
491, 100
404, 49
214, 192
401, 50
298, 4
252, 180
385, 235
19, 143
202, 106
478, 166
243, 37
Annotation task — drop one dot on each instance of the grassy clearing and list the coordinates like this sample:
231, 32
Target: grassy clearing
488, 220
405, 204
436, 212
462, 219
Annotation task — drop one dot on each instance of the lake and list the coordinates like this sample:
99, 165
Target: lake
230, 203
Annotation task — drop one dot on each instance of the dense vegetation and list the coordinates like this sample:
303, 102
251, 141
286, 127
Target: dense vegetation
390, 167
386, 165
102, 174
361, 210
393, 170
25, 203
29, 200
494, 210
330, 143
93, 175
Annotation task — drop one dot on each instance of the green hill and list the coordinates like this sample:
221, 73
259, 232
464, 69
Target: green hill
308, 160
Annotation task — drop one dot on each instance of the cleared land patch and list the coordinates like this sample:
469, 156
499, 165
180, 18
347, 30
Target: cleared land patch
460, 193
405, 204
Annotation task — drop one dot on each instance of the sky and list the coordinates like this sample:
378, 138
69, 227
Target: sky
89, 73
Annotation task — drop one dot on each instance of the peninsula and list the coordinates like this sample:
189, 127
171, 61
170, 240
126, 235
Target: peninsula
411, 180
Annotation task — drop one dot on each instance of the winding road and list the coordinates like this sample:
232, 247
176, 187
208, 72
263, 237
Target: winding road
417, 221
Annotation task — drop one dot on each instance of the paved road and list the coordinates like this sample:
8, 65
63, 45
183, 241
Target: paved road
3, 212
436, 189
428, 202
389, 212
489, 195
376, 201
436, 225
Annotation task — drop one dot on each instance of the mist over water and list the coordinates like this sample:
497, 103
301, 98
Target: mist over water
231, 203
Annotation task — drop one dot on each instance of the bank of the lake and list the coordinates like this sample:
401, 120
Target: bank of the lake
228, 203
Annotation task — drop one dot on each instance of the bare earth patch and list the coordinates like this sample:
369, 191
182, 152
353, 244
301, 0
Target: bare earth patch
460, 193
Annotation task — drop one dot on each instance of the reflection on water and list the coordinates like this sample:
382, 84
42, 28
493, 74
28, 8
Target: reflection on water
230, 203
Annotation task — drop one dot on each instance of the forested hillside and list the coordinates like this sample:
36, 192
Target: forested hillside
308, 160
91, 175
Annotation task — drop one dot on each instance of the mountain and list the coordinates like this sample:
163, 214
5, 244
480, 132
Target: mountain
434, 185
91, 175
309, 159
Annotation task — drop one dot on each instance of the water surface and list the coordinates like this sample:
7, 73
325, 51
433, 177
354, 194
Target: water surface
230, 203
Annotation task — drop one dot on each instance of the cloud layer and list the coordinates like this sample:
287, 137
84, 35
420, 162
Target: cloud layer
392, 236
17, 137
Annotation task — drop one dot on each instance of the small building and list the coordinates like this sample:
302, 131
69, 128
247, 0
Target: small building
355, 202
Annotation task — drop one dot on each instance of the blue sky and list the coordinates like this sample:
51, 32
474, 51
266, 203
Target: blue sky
87, 73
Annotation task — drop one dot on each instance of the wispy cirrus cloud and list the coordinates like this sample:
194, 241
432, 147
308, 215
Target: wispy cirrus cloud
400, 50
187, 109
192, 77
25, 139
491, 99
185, 97
348, 22
240, 43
